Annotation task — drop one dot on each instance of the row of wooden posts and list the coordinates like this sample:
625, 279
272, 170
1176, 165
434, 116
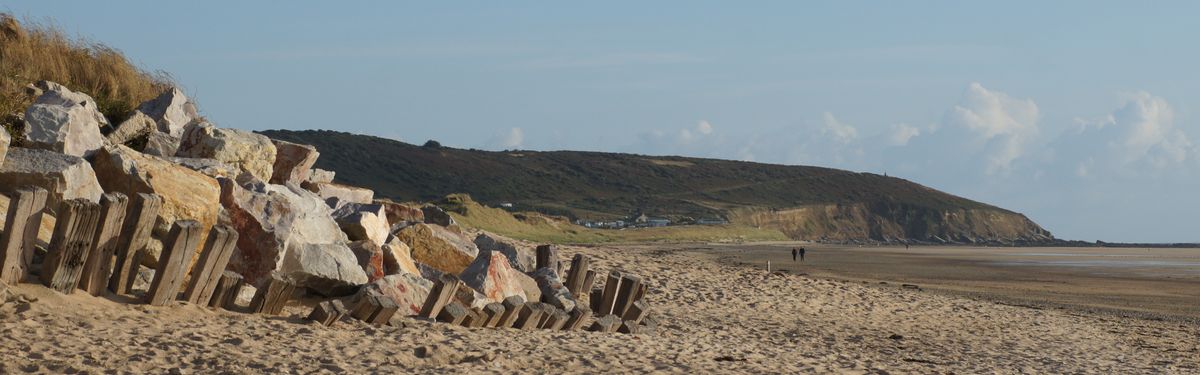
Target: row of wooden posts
100, 246
619, 306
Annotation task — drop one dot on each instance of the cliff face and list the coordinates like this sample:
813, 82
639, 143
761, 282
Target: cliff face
882, 222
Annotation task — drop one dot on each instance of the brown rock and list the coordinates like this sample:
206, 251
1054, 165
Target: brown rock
293, 162
439, 247
491, 275
397, 258
370, 258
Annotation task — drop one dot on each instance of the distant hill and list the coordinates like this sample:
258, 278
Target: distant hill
803, 202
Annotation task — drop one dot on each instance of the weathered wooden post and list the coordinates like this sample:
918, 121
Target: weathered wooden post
577, 319
273, 295
512, 310
443, 291
528, 316
225, 294
547, 257
607, 323
453, 313
213, 259
177, 251
135, 232
99, 264
20, 233
73, 234
611, 287
577, 275
625, 297
328, 312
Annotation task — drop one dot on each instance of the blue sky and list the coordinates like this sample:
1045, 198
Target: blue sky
1078, 114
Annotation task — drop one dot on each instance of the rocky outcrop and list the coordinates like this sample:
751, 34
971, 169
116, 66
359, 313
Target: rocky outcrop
363, 222
523, 258
491, 275
293, 162
397, 258
186, 194
171, 111
895, 223
273, 220
64, 121
250, 152
65, 177
439, 247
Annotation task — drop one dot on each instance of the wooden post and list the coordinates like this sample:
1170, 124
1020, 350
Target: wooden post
629, 287
273, 295
213, 259
443, 291
611, 287
547, 256
547, 313
493, 312
512, 310
558, 319
226, 291
20, 233
628, 327
588, 279
577, 319
578, 274
453, 313
97, 268
607, 323
476, 319
528, 316
135, 232
374, 308
595, 299
177, 251
328, 312
636, 312
73, 233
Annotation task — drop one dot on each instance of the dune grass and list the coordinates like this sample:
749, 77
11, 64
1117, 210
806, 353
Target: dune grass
30, 52
540, 228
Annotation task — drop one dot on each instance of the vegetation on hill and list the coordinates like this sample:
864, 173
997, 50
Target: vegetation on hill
32, 52
803, 202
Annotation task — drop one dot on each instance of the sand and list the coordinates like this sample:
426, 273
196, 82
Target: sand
717, 317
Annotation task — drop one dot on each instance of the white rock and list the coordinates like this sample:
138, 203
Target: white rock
63, 176
171, 111
328, 269
253, 153
64, 121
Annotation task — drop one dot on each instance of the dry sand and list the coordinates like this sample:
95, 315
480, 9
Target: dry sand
716, 316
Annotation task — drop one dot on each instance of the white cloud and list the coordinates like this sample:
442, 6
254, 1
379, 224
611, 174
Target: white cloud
1000, 126
837, 130
899, 134
704, 127
513, 138
1137, 138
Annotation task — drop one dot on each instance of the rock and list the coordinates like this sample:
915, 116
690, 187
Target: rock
293, 162
136, 126
343, 193
471, 298
397, 258
436, 215
320, 175
171, 111
370, 259
491, 275
530, 286
430, 273
64, 176
250, 152
408, 290
5, 140
522, 258
438, 247
161, 144
553, 290
186, 194
64, 121
363, 222
401, 215
328, 269
209, 167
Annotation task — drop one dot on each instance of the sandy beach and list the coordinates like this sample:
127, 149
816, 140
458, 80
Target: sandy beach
718, 316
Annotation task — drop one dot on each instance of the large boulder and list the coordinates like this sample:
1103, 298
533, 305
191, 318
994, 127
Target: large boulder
532, 292
5, 140
370, 258
401, 215
186, 194
397, 258
135, 127
522, 257
293, 162
436, 215
64, 121
63, 176
161, 144
171, 111
363, 222
275, 220
409, 291
439, 247
210, 167
320, 175
553, 290
491, 275
337, 194
253, 153
328, 269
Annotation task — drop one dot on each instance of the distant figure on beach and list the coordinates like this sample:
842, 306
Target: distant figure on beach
794, 251
802, 254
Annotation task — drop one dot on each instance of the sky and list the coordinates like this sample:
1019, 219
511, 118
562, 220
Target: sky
1079, 114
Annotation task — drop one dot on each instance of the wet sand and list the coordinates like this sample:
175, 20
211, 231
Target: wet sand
1134, 282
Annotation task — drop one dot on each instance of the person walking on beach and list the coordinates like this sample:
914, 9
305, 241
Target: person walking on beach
794, 252
801, 255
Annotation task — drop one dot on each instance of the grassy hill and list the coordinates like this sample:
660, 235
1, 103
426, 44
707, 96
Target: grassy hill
801, 202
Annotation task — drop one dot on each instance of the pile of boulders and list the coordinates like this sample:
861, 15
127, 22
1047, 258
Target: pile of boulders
213, 212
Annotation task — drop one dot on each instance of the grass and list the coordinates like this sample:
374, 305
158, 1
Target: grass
540, 228
31, 52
